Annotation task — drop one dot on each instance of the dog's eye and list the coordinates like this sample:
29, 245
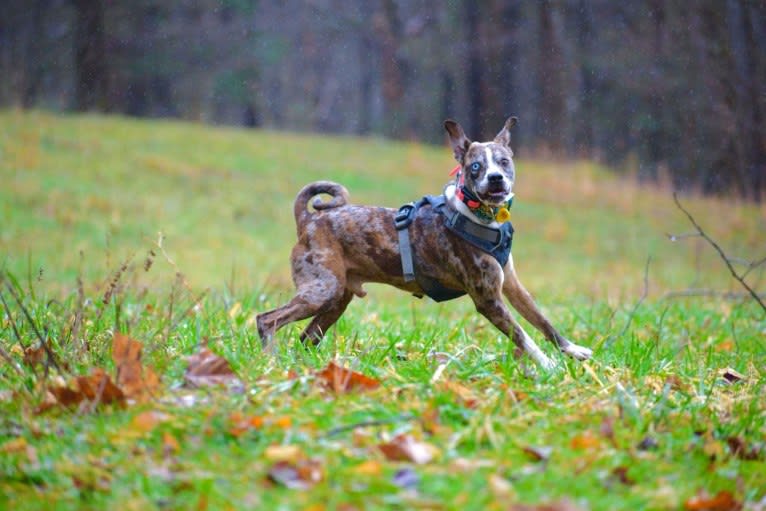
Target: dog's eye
504, 162
475, 166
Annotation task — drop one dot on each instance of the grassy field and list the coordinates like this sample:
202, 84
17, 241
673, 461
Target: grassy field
180, 233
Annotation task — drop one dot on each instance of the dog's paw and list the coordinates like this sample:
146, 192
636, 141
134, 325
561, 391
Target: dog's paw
577, 352
546, 363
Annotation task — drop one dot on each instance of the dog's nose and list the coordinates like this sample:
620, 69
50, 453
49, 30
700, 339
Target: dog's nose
495, 178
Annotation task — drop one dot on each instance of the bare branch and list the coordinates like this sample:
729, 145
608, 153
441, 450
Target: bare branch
711, 241
726, 295
676, 237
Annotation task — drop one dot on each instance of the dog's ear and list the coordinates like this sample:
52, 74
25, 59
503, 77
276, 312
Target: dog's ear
504, 137
457, 138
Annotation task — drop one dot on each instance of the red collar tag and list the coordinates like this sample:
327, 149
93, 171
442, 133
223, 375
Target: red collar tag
455, 171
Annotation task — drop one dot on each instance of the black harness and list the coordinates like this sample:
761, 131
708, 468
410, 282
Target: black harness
496, 242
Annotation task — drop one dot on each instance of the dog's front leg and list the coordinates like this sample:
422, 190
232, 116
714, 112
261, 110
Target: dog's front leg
495, 310
522, 301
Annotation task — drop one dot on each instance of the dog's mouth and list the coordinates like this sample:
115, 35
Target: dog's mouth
495, 195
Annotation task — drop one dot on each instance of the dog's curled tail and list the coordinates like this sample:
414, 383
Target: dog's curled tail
338, 193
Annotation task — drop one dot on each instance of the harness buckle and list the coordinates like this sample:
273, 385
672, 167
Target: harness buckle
404, 216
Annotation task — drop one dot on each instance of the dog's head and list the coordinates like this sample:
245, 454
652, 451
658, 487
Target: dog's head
487, 167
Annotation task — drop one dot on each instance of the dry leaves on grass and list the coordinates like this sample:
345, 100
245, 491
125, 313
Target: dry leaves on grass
96, 388
298, 475
721, 501
340, 380
136, 381
562, 505
133, 381
206, 369
406, 448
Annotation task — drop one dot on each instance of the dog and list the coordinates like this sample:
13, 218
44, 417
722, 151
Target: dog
341, 246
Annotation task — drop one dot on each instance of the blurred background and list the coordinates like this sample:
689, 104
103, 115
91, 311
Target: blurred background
668, 91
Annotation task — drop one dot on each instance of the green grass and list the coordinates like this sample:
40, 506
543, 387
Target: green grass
82, 194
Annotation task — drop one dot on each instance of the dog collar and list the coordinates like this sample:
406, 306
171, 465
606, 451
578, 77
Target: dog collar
484, 212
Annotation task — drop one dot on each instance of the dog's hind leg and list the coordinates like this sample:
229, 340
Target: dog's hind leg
320, 290
324, 320
522, 301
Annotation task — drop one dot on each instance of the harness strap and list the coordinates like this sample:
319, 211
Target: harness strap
496, 242
402, 221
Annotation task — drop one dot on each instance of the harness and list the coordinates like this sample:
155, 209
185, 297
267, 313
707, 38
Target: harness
496, 242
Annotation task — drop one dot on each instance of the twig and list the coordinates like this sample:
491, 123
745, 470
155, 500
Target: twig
753, 265
43, 342
727, 295
721, 253
369, 423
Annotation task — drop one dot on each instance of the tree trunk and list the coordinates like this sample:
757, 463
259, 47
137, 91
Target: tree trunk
90, 56
475, 126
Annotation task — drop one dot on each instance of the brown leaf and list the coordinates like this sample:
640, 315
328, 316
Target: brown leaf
607, 428
562, 505
406, 448
740, 449
300, 475
289, 452
239, 424
169, 444
731, 376
500, 486
136, 381
340, 380
583, 441
621, 474
97, 387
721, 501
463, 393
34, 355
207, 369
538, 453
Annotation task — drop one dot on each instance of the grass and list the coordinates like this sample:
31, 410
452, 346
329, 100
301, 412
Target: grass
84, 194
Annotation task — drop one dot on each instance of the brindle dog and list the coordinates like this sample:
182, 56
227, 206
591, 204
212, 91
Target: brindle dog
341, 246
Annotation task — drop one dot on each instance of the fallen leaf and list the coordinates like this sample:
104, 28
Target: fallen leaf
607, 428
727, 345
406, 478
145, 422
731, 376
34, 355
740, 449
291, 453
136, 381
468, 465
721, 501
621, 474
339, 379
583, 441
500, 486
406, 448
206, 369
464, 394
539, 453
368, 468
15, 445
299, 476
169, 444
97, 387
239, 424
562, 505
648, 443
